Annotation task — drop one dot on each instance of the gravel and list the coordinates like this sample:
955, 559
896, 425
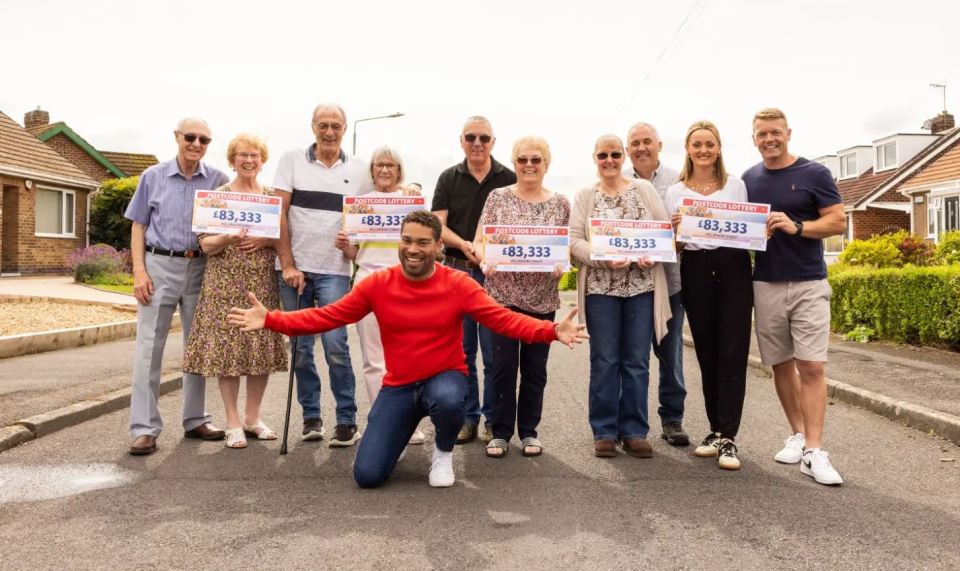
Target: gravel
39, 316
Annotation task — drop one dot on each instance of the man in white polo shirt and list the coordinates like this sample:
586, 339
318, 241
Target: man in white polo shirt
313, 182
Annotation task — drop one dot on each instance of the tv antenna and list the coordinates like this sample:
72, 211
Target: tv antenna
943, 88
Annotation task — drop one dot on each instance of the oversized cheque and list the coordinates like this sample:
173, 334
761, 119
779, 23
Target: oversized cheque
719, 223
526, 248
377, 218
218, 212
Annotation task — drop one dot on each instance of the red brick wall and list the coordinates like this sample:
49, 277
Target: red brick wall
79, 157
30, 254
877, 220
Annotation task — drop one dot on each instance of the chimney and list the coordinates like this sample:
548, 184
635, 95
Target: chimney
40, 117
941, 123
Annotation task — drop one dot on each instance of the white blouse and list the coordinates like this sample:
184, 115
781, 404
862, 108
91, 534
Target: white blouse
733, 191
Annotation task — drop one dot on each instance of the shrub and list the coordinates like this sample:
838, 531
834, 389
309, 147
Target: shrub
917, 251
907, 305
107, 224
948, 251
96, 263
568, 281
873, 252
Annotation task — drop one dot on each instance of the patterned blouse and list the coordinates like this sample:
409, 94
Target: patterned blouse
535, 292
631, 280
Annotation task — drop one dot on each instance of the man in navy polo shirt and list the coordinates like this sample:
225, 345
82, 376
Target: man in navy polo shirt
458, 201
167, 273
791, 293
312, 182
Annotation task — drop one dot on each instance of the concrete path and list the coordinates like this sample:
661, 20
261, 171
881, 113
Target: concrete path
61, 287
76, 499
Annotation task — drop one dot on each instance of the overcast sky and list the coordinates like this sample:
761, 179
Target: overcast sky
122, 73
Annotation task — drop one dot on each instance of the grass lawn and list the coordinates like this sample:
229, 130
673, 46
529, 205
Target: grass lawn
127, 289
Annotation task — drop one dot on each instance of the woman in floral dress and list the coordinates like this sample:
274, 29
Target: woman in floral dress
237, 264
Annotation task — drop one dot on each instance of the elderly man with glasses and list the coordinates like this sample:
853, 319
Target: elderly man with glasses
312, 182
458, 201
167, 272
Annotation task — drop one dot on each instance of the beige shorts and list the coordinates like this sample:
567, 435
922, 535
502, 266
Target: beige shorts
792, 320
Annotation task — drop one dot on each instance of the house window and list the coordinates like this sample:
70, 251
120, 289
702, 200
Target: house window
943, 215
887, 156
951, 216
836, 244
56, 211
848, 165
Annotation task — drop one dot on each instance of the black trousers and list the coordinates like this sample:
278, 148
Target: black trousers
509, 356
718, 297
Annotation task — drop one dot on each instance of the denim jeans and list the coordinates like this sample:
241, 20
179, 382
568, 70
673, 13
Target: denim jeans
320, 290
472, 333
396, 413
509, 409
669, 352
621, 333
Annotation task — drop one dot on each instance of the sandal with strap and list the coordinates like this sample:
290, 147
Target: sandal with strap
531, 442
235, 438
259, 430
497, 448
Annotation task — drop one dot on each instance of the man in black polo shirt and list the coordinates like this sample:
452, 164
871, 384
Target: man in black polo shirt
458, 200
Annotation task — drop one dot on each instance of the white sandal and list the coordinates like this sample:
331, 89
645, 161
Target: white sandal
235, 438
259, 430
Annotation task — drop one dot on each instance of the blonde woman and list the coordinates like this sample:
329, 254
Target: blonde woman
237, 264
625, 304
717, 295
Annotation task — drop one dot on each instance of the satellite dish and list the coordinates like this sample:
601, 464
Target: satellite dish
928, 125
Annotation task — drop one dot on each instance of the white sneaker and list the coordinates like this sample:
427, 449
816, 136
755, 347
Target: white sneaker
816, 464
792, 449
441, 471
417, 437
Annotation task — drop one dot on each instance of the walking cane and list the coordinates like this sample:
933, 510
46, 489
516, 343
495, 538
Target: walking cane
293, 362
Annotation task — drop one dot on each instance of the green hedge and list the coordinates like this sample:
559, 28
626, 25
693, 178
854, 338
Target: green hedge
568, 281
907, 305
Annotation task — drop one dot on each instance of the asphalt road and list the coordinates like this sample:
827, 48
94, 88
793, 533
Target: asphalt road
75, 499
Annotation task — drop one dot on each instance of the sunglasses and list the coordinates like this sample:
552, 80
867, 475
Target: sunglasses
531, 160
470, 137
191, 137
614, 155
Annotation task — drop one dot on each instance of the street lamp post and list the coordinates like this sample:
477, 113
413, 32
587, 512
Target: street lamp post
391, 116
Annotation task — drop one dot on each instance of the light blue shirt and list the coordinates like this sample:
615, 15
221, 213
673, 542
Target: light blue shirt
661, 180
163, 203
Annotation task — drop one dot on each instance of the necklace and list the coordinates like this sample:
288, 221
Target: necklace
702, 189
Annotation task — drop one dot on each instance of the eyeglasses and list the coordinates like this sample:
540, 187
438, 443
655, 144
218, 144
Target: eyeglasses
470, 137
245, 156
191, 137
381, 166
616, 155
531, 160
335, 127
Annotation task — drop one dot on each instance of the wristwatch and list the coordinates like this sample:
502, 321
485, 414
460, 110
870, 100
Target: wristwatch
799, 225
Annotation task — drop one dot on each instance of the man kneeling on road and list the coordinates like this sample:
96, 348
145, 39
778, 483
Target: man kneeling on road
420, 306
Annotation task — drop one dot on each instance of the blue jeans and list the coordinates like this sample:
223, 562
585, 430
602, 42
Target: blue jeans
669, 352
621, 332
320, 290
472, 333
394, 416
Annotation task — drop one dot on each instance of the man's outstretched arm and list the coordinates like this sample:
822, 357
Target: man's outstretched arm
348, 309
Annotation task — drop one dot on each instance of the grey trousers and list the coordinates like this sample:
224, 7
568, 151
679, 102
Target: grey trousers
176, 281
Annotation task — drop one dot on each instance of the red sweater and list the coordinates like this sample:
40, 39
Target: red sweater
420, 321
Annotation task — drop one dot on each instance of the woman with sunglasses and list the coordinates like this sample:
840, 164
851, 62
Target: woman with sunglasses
624, 304
717, 294
526, 203
386, 170
237, 264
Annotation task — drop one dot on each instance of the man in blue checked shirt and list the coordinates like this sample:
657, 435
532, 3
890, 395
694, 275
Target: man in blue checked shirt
167, 273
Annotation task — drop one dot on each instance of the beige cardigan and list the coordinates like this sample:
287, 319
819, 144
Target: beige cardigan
580, 250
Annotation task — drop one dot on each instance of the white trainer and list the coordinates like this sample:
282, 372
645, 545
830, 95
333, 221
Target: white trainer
816, 464
792, 449
441, 470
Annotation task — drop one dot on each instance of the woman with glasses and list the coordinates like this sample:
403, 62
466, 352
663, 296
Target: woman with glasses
526, 203
624, 304
386, 170
237, 264
717, 294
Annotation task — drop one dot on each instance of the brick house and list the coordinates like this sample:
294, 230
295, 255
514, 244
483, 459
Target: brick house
868, 178
45, 201
34, 241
